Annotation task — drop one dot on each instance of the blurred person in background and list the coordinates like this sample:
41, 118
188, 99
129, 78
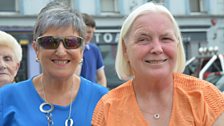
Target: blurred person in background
10, 58
56, 96
92, 66
151, 58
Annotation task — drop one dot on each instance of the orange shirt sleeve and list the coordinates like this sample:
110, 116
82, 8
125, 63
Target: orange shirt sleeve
215, 102
196, 102
99, 115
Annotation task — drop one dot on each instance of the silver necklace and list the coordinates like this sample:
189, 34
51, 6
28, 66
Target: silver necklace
47, 108
155, 116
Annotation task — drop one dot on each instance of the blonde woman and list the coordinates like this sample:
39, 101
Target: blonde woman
151, 58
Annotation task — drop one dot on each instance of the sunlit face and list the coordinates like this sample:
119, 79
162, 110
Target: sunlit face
60, 62
89, 34
8, 65
151, 46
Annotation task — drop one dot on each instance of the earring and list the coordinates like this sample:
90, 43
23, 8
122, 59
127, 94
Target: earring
81, 61
37, 60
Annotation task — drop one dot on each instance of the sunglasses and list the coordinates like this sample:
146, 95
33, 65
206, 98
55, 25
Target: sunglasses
53, 42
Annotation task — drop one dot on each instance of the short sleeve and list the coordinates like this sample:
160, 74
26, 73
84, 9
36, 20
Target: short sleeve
98, 118
99, 59
215, 101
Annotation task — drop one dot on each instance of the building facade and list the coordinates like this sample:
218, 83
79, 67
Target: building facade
201, 23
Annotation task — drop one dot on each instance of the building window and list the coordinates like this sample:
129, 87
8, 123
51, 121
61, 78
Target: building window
109, 6
156, 1
197, 6
9, 6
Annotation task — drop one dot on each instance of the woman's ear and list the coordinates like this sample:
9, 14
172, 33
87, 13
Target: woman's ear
16, 70
17, 67
124, 48
36, 48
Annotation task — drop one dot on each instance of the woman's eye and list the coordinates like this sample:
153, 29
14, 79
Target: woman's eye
167, 39
8, 58
141, 39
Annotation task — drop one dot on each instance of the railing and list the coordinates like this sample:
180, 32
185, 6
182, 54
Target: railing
209, 63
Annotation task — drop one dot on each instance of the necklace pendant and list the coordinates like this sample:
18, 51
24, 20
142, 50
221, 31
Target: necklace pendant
46, 107
69, 122
156, 116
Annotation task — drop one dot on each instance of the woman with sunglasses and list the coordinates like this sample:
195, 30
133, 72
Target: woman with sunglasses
56, 96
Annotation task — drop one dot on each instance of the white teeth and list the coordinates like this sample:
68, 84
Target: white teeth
60, 62
155, 61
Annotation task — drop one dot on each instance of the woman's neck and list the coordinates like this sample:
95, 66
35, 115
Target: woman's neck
154, 100
57, 91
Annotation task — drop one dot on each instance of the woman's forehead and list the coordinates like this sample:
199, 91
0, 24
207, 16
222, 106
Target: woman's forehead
69, 31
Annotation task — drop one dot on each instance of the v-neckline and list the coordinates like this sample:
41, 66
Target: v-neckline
136, 106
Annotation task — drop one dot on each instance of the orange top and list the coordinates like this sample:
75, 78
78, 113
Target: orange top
195, 102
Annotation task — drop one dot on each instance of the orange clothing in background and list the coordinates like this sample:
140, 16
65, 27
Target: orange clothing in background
195, 102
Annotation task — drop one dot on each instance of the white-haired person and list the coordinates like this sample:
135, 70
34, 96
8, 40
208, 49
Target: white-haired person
151, 58
10, 58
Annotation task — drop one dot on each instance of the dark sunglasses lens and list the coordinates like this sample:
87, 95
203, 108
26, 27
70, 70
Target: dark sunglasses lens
72, 42
48, 42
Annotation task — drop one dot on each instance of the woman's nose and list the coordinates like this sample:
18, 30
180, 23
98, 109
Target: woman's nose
1, 61
156, 47
61, 50
2, 65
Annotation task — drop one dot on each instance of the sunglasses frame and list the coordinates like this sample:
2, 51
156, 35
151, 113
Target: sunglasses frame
58, 39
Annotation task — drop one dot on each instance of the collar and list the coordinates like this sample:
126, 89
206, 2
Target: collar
87, 46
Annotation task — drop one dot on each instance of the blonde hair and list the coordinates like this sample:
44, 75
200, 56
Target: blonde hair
9, 41
122, 66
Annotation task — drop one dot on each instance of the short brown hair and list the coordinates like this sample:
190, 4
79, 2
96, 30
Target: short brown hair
89, 21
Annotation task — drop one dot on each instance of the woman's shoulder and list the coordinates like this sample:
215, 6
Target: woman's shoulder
198, 91
190, 82
16, 86
16, 91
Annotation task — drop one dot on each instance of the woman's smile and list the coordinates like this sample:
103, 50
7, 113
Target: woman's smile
62, 62
156, 61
